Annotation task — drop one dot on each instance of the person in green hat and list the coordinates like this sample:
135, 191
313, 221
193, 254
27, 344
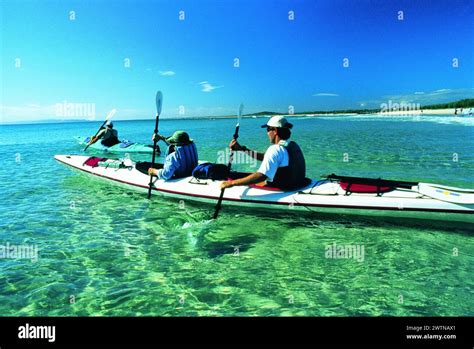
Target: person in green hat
181, 157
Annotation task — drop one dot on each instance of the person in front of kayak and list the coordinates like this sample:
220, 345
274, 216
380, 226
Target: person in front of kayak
108, 134
181, 157
283, 164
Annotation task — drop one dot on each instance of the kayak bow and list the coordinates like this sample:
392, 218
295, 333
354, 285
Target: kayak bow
122, 147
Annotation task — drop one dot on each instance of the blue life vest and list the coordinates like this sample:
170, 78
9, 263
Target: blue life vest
188, 160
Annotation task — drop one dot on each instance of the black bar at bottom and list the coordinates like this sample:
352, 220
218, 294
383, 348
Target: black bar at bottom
446, 332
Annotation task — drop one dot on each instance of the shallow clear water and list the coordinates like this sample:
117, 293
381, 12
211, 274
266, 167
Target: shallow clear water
106, 251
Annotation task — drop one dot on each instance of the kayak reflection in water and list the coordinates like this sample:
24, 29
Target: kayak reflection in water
181, 157
283, 165
108, 134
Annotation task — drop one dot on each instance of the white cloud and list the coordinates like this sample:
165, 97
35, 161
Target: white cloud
424, 98
325, 94
167, 73
207, 87
433, 97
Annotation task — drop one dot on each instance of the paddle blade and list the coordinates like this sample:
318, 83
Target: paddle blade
159, 102
111, 114
241, 109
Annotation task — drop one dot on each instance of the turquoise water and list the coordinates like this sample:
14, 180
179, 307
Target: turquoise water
106, 251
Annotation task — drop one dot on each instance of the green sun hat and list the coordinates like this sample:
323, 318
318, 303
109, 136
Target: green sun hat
179, 138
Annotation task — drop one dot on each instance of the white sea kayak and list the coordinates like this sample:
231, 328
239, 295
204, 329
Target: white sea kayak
333, 194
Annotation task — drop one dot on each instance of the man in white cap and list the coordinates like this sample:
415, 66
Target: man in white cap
283, 165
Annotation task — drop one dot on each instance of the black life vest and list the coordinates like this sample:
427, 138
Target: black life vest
110, 137
292, 176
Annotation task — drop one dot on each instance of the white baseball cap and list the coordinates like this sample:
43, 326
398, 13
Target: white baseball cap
278, 121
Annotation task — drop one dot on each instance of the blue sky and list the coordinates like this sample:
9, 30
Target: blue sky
48, 59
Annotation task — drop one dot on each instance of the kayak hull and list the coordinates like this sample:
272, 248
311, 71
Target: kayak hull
118, 148
320, 196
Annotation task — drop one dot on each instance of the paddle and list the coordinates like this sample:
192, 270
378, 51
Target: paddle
159, 103
93, 140
236, 135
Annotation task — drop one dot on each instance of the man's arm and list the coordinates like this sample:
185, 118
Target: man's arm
96, 138
234, 145
100, 134
254, 154
253, 178
158, 138
169, 167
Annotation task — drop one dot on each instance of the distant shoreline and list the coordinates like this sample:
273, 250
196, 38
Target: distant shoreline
420, 112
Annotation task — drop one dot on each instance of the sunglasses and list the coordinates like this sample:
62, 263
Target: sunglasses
271, 129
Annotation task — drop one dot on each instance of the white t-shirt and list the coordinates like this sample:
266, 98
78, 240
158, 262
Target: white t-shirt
276, 156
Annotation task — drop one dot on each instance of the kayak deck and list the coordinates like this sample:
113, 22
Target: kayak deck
317, 196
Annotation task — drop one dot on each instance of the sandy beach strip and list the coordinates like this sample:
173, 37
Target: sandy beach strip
416, 112
447, 111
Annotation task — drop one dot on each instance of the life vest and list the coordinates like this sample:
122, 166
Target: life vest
294, 175
188, 160
110, 137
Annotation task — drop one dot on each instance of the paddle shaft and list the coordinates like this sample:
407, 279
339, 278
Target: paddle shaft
154, 153
229, 165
